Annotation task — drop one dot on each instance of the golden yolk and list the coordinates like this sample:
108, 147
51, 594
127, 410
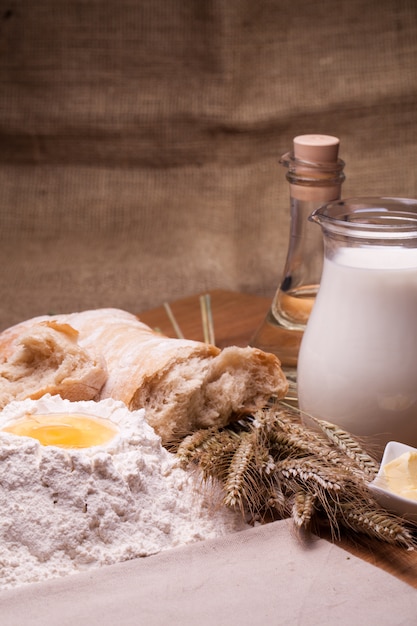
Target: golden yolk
65, 430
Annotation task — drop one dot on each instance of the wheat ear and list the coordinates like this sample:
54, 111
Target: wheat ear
303, 508
350, 446
375, 523
238, 479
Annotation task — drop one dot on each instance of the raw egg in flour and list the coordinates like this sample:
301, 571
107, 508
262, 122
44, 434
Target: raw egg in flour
85, 426
65, 430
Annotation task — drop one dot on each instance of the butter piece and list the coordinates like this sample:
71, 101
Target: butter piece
401, 475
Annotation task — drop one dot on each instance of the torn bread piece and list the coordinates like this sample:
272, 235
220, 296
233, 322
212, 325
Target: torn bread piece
184, 385
45, 357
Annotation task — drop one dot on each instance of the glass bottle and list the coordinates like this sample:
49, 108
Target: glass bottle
357, 364
315, 175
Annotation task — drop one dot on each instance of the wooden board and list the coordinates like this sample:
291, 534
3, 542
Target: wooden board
236, 317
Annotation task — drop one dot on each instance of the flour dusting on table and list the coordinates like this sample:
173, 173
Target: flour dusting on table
67, 510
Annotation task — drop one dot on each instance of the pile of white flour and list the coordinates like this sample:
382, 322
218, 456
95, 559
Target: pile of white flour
65, 510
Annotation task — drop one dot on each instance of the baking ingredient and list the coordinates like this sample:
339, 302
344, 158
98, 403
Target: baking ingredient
401, 475
295, 305
358, 358
65, 510
66, 430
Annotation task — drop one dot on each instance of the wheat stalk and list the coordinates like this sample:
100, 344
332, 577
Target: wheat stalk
207, 319
307, 471
173, 321
270, 463
236, 485
303, 508
346, 442
375, 523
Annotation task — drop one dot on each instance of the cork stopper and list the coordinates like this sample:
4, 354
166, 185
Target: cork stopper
316, 148
315, 173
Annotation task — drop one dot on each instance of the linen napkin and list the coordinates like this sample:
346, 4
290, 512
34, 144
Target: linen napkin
264, 575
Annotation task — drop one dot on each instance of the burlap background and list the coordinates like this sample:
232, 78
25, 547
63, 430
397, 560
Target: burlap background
139, 139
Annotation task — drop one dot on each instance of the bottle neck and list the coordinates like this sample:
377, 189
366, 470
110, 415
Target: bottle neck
315, 182
316, 195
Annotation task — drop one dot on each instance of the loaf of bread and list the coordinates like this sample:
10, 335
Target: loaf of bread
184, 385
45, 357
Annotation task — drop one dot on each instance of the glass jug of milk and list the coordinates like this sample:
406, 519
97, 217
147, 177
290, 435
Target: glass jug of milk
357, 365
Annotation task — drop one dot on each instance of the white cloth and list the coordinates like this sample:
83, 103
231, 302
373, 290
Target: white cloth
265, 575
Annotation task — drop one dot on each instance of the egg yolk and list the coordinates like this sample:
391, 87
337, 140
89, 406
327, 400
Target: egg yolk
65, 430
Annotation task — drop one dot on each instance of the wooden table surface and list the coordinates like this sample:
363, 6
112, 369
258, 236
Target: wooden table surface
236, 317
